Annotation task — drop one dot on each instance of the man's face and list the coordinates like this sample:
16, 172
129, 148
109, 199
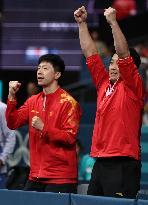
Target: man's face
46, 74
113, 69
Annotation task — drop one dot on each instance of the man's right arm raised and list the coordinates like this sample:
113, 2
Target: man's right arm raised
93, 60
15, 118
87, 44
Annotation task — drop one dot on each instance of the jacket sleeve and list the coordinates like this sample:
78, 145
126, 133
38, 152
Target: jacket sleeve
131, 77
16, 118
67, 133
97, 69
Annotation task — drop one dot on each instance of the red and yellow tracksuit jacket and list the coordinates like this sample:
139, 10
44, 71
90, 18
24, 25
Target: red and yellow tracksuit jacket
52, 151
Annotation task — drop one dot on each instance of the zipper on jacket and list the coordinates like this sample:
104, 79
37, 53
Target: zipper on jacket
44, 108
44, 103
39, 172
38, 175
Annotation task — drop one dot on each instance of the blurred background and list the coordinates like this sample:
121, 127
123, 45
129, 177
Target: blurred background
31, 28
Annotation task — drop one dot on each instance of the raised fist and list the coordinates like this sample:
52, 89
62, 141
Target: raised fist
80, 15
13, 87
110, 15
37, 123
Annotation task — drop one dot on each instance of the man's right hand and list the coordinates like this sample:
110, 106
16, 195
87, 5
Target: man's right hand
80, 15
13, 88
110, 15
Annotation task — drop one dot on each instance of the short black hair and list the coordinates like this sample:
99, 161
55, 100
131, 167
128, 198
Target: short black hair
55, 60
134, 54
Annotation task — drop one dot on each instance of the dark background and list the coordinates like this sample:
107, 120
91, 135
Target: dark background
21, 32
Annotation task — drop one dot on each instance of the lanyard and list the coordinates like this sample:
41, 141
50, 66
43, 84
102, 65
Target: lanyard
110, 89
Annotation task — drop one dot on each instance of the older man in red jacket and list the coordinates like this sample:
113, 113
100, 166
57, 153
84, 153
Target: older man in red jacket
121, 95
53, 117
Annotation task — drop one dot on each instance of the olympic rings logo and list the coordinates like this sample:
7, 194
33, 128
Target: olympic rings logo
21, 151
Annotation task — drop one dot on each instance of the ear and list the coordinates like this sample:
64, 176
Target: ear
57, 75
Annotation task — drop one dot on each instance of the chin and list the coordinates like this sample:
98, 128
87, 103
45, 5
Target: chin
113, 80
40, 84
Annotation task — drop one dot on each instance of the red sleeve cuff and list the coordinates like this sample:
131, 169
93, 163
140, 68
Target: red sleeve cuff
125, 61
46, 130
92, 58
11, 102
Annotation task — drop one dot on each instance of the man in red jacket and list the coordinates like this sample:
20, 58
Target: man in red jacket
121, 95
53, 117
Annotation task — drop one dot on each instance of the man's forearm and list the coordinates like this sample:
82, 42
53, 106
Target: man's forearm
120, 41
86, 42
11, 97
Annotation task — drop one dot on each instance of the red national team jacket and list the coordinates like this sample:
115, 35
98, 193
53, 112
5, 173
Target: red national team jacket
52, 151
118, 116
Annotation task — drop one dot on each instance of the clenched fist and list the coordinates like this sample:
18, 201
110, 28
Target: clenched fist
80, 15
13, 88
110, 15
37, 123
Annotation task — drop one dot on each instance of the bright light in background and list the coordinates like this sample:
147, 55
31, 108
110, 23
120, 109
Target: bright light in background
56, 26
33, 52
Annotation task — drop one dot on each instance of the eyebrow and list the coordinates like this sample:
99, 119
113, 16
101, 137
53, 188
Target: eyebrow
41, 66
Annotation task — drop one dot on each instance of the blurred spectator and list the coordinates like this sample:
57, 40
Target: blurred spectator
32, 89
7, 143
145, 115
85, 167
103, 51
101, 46
142, 49
85, 163
1, 9
17, 177
124, 8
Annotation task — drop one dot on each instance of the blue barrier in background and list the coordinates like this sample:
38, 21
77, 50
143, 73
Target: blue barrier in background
144, 157
96, 200
11, 197
33, 198
142, 202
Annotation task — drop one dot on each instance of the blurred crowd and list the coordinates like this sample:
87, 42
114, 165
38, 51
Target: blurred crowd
142, 48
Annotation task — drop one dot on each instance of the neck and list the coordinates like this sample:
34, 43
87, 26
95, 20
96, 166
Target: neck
113, 81
50, 89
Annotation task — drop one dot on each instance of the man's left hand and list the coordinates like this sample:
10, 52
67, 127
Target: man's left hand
37, 123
